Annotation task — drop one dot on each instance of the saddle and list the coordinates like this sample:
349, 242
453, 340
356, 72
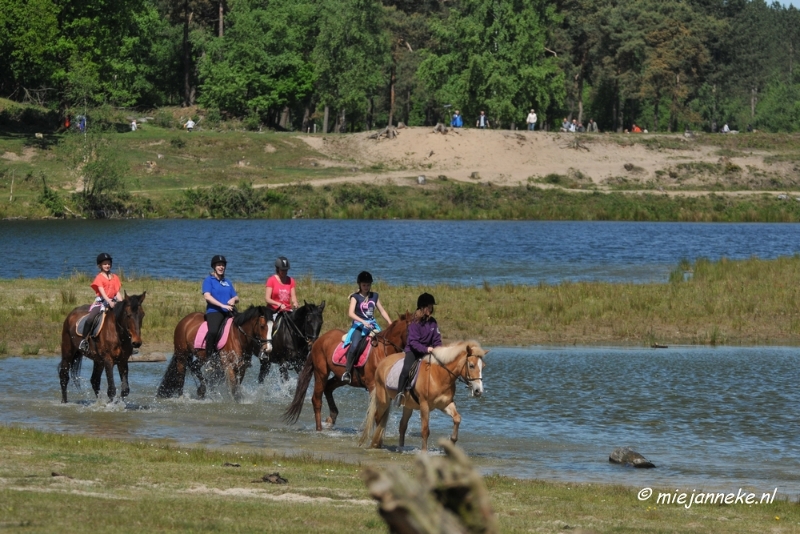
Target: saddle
364, 348
99, 319
200, 337
393, 377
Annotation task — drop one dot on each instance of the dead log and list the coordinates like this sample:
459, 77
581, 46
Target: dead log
447, 495
440, 128
390, 132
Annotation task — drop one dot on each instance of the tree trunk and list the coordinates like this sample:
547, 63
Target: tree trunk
187, 91
391, 93
306, 119
753, 101
325, 120
370, 107
284, 121
221, 32
580, 98
655, 111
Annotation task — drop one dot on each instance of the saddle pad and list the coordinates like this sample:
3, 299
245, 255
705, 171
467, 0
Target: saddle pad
200, 338
393, 377
340, 355
79, 325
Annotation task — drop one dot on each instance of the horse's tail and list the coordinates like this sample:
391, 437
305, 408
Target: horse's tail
369, 420
171, 384
292, 413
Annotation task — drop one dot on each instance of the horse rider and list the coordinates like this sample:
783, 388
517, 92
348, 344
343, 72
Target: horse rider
106, 287
423, 337
280, 295
362, 311
220, 298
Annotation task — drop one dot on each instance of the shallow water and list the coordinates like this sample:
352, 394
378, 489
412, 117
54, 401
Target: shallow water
709, 418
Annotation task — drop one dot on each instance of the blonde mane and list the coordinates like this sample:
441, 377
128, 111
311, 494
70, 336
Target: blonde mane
449, 353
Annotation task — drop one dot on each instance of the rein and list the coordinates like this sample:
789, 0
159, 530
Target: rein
384, 340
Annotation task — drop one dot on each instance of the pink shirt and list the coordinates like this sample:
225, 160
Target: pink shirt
280, 291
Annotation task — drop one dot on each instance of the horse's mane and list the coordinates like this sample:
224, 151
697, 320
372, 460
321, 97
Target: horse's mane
449, 353
249, 314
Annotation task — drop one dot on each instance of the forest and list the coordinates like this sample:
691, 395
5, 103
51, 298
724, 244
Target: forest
354, 65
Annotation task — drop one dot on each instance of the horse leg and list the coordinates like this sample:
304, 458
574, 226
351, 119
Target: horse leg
330, 386
425, 414
381, 419
112, 387
97, 373
450, 410
122, 369
284, 372
230, 374
63, 375
316, 399
264, 370
404, 424
196, 367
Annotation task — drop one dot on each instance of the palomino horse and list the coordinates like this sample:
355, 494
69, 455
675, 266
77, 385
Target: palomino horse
247, 337
292, 341
120, 334
434, 389
319, 364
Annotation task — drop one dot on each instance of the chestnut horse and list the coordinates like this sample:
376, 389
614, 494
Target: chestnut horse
435, 389
247, 337
120, 334
319, 364
292, 342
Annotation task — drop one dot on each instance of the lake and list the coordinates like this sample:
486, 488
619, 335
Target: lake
398, 252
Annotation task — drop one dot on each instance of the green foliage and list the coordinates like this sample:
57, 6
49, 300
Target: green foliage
221, 201
101, 174
367, 196
51, 200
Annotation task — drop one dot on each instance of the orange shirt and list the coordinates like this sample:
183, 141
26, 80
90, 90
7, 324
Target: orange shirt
111, 287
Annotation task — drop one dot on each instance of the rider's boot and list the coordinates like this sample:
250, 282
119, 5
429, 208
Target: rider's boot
351, 356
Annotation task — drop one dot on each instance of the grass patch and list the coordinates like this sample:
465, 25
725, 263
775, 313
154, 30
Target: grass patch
726, 302
156, 487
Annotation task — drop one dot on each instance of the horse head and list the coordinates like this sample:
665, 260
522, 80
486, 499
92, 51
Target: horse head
128, 315
312, 325
472, 373
397, 333
253, 322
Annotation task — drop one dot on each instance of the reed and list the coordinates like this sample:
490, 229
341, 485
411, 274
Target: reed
75, 483
749, 301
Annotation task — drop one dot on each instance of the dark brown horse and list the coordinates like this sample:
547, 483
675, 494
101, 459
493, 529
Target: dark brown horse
120, 334
247, 337
292, 341
319, 364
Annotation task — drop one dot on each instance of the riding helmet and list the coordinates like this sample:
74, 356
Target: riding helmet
364, 278
425, 300
282, 264
218, 259
104, 256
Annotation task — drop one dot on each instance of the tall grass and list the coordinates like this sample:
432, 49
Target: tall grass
707, 302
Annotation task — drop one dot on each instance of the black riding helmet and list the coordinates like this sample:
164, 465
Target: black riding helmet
364, 278
218, 259
425, 300
282, 264
104, 256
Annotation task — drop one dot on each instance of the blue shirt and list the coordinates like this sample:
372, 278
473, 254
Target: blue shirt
222, 290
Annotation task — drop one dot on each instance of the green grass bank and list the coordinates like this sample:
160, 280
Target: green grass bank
73, 483
748, 302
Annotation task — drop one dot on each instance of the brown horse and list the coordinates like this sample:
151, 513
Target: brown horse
435, 389
248, 336
319, 364
120, 334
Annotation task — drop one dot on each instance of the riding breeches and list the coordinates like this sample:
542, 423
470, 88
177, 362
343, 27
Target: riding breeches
215, 321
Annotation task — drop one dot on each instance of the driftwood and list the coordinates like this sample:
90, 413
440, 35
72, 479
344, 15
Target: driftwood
446, 496
440, 128
390, 132
577, 145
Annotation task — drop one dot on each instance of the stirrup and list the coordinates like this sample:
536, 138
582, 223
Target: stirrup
400, 400
347, 377
84, 345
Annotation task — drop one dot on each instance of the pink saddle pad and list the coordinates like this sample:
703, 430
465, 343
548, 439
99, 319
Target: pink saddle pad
340, 355
200, 338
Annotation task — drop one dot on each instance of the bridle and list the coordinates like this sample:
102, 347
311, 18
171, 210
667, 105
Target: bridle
383, 339
464, 370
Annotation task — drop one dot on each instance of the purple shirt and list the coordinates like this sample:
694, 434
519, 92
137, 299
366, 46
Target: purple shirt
422, 335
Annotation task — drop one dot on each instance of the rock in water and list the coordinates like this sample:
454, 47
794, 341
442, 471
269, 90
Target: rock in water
627, 456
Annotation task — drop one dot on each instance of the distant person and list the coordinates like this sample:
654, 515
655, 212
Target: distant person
531, 120
68, 122
581, 128
725, 128
82, 123
457, 121
713, 126
483, 121
280, 295
750, 128
573, 126
106, 287
592, 128
565, 125
363, 304
635, 129
189, 125
220, 297
133, 125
